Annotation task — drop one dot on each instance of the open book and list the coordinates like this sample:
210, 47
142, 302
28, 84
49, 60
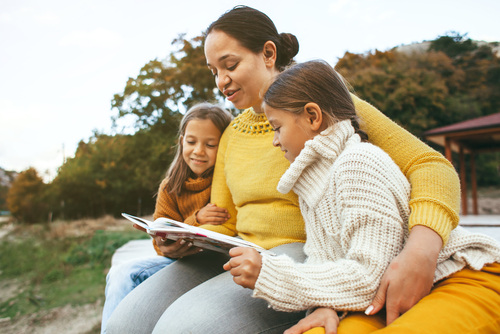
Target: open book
171, 229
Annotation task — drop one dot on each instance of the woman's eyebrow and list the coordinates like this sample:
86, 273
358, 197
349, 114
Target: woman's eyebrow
221, 58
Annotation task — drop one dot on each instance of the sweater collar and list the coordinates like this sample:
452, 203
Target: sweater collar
252, 123
198, 184
307, 174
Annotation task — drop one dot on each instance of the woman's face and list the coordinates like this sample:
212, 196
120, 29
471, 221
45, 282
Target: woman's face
241, 75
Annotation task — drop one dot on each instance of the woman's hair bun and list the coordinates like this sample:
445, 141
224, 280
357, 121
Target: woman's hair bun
288, 48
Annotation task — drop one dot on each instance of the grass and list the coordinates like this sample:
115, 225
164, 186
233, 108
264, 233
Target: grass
44, 272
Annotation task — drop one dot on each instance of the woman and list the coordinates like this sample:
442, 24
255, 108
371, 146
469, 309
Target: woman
245, 52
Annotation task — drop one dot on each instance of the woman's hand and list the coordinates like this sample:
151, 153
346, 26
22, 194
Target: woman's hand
410, 275
245, 266
212, 214
321, 317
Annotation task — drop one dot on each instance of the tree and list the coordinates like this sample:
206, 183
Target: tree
453, 81
113, 174
155, 94
410, 89
27, 197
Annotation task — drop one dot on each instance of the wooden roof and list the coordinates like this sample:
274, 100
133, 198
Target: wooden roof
480, 134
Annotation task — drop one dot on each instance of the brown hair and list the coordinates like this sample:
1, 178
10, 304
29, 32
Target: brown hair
253, 29
179, 171
314, 81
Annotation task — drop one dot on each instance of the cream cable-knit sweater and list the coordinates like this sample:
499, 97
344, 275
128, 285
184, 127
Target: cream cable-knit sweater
354, 200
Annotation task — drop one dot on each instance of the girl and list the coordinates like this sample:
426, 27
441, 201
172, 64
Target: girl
183, 195
245, 52
354, 200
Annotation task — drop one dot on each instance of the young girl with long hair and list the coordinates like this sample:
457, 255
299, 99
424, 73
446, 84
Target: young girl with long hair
183, 195
355, 204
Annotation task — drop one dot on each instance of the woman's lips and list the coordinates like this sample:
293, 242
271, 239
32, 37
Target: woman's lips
231, 94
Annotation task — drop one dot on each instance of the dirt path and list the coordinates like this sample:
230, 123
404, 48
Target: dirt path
69, 319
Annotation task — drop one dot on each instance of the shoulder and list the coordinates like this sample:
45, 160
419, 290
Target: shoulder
164, 189
363, 161
363, 154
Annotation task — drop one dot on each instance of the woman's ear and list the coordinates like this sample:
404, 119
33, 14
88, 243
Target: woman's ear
270, 54
314, 116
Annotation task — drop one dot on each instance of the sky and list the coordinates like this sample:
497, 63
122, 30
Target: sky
61, 62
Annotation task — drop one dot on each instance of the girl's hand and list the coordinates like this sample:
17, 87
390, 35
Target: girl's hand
176, 249
212, 214
321, 317
410, 275
140, 228
245, 266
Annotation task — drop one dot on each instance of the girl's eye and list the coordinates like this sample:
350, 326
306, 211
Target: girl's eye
211, 146
190, 142
232, 68
275, 129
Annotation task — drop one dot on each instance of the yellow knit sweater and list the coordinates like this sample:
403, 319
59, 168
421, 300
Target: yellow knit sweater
248, 169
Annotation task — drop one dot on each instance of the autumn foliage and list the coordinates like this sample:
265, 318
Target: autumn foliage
27, 197
454, 80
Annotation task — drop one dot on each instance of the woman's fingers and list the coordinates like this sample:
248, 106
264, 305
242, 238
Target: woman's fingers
379, 299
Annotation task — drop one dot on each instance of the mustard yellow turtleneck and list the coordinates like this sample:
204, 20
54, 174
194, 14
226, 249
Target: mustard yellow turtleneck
248, 169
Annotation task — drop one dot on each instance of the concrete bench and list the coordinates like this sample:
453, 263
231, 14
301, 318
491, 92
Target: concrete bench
132, 250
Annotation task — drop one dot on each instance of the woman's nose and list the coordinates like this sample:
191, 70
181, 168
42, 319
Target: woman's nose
223, 80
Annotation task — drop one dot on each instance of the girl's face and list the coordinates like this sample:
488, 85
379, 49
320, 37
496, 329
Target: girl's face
291, 131
200, 143
241, 75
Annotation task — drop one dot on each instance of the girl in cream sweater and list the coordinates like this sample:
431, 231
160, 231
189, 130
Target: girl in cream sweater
354, 201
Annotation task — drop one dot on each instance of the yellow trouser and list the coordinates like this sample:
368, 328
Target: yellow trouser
465, 302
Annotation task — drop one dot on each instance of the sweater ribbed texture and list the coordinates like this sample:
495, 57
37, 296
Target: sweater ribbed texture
354, 200
195, 194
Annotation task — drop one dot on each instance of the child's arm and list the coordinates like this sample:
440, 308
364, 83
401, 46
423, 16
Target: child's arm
221, 195
365, 223
166, 206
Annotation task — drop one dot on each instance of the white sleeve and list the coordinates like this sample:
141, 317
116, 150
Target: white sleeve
371, 235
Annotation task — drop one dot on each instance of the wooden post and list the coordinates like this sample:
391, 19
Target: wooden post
473, 183
463, 181
447, 150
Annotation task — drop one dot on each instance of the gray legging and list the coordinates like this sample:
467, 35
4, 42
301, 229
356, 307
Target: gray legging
195, 295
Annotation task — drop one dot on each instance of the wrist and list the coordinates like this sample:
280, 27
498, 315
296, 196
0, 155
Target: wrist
196, 219
424, 240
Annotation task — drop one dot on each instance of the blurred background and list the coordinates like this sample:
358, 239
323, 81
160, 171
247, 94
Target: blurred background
91, 93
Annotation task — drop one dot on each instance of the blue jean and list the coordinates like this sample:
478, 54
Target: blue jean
125, 277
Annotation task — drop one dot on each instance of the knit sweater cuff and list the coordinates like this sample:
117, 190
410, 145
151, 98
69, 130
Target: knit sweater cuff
191, 220
435, 216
